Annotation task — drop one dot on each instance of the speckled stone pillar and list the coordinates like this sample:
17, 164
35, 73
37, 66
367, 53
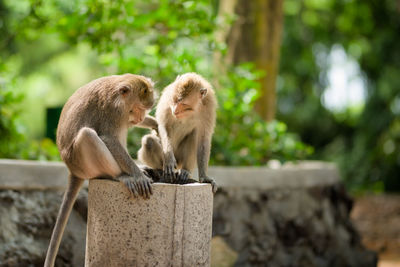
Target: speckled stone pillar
172, 228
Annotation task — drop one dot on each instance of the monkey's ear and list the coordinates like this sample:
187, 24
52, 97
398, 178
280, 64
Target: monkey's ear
124, 90
203, 92
150, 81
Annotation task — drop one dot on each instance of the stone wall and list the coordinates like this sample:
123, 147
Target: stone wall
295, 215
289, 227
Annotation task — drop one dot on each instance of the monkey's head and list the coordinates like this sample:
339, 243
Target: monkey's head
135, 96
190, 90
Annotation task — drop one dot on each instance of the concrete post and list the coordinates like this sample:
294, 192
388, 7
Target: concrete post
172, 228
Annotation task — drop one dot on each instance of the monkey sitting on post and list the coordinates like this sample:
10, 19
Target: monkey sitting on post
92, 135
186, 116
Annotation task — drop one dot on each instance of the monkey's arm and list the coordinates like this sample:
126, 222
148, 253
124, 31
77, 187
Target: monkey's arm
203, 156
141, 184
149, 122
169, 161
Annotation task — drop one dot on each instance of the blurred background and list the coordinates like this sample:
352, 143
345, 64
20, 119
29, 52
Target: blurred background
310, 79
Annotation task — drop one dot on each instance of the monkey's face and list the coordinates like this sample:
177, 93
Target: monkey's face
136, 115
138, 98
184, 106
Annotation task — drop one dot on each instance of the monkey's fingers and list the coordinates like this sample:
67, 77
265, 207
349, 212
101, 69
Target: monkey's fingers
174, 174
142, 188
138, 185
169, 174
132, 188
147, 188
214, 187
183, 176
210, 181
165, 177
127, 181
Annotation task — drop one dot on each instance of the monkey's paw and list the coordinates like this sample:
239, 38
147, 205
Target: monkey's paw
138, 186
211, 181
169, 170
182, 177
157, 175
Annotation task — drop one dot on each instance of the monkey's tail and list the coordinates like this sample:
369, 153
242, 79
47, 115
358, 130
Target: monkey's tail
62, 218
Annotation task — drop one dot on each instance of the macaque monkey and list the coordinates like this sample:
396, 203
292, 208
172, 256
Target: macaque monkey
92, 136
186, 120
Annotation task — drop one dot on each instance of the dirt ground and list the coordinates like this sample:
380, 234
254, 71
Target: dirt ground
377, 218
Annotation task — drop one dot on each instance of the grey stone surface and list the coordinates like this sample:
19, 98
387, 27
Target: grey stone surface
288, 227
52, 175
301, 174
26, 221
29, 174
172, 228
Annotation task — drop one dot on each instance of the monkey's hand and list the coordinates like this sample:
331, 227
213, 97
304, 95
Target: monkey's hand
211, 181
139, 185
169, 169
182, 176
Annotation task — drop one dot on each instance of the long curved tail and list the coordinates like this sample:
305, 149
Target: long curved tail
62, 218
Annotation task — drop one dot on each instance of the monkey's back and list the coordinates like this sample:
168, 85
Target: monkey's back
82, 109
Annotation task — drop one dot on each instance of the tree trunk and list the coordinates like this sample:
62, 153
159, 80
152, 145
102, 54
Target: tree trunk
256, 37
226, 9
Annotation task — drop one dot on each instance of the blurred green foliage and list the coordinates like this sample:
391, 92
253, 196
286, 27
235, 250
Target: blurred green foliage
10, 131
160, 39
365, 142
13, 142
242, 137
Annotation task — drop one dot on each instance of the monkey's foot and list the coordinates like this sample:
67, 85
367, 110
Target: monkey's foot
211, 181
138, 186
157, 175
169, 171
183, 177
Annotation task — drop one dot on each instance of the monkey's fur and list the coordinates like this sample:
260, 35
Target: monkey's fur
91, 138
186, 116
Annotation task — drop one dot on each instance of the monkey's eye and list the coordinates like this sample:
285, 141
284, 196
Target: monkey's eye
124, 90
203, 92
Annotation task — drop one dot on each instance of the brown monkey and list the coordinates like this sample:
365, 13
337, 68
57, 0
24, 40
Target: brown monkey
186, 120
91, 138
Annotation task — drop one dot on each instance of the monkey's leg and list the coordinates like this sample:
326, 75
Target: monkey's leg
151, 152
62, 218
92, 157
186, 158
203, 156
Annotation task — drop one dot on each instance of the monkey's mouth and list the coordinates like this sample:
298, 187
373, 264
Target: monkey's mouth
135, 121
183, 113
